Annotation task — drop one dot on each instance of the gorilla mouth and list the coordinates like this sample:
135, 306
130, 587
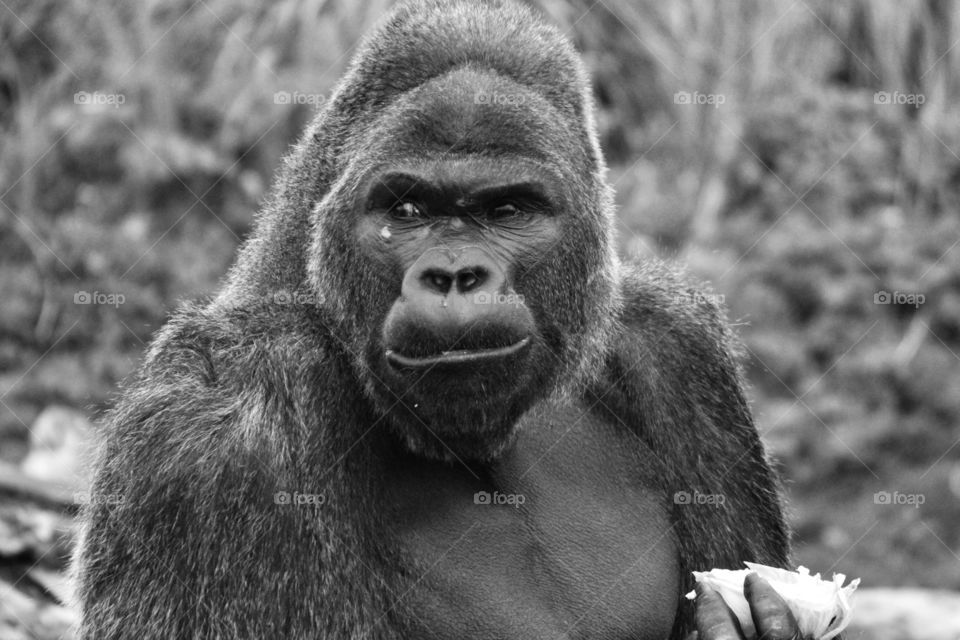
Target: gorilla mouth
455, 357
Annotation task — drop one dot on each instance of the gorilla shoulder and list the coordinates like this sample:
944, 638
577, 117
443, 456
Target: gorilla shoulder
655, 292
215, 365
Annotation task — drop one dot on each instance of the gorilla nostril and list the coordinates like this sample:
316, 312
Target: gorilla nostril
469, 279
438, 281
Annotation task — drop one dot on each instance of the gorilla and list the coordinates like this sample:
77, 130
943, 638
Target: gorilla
429, 401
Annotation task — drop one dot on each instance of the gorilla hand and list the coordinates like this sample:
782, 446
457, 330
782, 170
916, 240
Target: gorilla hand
772, 617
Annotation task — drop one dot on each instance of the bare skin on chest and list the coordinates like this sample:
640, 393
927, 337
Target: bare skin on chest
562, 537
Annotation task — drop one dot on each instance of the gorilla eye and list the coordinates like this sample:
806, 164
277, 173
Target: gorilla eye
406, 210
505, 210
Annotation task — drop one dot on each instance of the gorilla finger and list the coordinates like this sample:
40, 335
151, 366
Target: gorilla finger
771, 615
715, 620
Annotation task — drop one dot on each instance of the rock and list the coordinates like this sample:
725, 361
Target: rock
60, 445
905, 614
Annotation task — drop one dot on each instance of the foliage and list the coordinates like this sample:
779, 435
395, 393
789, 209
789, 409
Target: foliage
801, 195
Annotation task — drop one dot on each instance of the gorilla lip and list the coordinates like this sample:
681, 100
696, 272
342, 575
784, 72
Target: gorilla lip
459, 356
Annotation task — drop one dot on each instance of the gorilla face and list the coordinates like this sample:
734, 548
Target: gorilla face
478, 245
460, 344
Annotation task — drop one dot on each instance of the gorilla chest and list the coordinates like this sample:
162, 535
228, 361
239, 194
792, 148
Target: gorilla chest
564, 537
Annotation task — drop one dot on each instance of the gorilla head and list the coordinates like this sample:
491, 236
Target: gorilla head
461, 237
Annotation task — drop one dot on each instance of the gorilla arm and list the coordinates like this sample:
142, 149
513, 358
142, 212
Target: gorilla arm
674, 381
191, 542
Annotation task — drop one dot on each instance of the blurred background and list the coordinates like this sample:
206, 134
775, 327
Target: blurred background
802, 156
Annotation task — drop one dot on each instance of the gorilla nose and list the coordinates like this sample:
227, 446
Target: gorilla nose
464, 280
439, 275
451, 309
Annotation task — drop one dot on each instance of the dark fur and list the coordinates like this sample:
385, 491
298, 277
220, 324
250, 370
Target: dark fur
245, 397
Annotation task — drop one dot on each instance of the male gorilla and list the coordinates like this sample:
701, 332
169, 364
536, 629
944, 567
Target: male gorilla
429, 402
